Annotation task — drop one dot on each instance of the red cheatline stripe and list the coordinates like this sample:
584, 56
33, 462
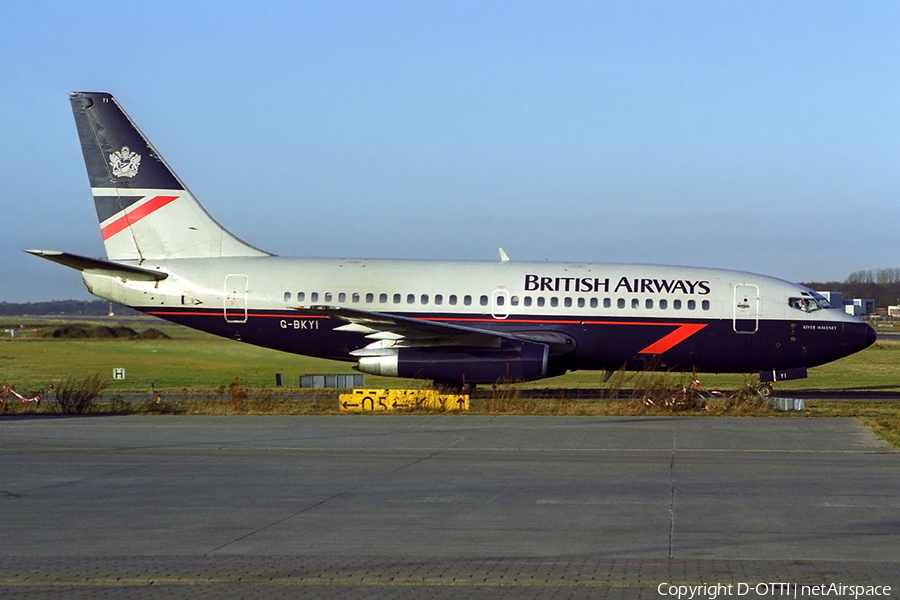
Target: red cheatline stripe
682, 330
554, 321
219, 313
136, 215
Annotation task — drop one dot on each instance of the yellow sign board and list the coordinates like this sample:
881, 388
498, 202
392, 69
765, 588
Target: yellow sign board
391, 400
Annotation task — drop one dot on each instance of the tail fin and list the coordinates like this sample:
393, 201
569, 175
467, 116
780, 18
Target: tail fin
145, 211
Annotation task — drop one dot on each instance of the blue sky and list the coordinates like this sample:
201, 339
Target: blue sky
761, 136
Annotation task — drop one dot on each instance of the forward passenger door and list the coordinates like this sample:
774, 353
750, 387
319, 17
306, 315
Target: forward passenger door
746, 308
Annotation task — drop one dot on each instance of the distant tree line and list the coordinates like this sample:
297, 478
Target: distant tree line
878, 276
64, 307
882, 285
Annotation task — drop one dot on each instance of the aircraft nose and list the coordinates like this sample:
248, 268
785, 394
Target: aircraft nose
871, 336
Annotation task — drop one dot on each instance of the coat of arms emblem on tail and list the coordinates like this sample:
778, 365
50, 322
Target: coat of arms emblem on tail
125, 163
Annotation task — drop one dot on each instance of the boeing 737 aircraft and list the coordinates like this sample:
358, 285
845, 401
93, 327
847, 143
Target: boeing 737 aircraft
457, 323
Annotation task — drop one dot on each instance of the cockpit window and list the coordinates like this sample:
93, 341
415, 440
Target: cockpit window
822, 301
808, 302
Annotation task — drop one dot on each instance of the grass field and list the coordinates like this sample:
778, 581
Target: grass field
198, 362
192, 361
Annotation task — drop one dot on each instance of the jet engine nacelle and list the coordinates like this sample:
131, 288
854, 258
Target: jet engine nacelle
469, 365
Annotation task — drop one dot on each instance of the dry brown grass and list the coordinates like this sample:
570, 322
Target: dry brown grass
886, 427
76, 396
239, 400
510, 401
883, 417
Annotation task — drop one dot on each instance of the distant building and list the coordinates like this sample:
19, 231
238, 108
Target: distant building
836, 299
859, 307
853, 309
866, 306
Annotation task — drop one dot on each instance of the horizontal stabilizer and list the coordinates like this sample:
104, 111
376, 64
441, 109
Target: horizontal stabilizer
103, 267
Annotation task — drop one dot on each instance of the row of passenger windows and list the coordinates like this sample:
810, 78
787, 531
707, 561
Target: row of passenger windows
383, 298
483, 300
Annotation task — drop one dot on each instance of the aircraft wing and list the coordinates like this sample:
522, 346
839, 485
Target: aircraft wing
407, 332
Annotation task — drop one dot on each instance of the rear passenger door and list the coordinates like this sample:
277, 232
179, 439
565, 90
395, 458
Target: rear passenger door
235, 309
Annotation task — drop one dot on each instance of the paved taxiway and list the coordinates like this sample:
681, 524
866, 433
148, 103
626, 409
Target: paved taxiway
439, 506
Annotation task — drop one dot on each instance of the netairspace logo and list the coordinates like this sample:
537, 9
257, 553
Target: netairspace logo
771, 590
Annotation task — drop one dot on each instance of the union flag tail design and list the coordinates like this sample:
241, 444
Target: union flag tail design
145, 211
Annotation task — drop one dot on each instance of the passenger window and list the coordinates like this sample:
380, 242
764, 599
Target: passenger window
567, 302
301, 296
692, 305
514, 300
467, 300
453, 299
424, 298
607, 303
342, 297
314, 297
396, 298
483, 300
500, 300
676, 304
554, 301
635, 303
648, 303
370, 297
705, 305
620, 302
527, 301
411, 299
355, 297
287, 296
594, 303
540, 300
664, 304
382, 298
581, 303
438, 299
327, 296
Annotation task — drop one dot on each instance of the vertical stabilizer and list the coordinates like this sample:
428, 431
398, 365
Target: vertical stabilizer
145, 211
